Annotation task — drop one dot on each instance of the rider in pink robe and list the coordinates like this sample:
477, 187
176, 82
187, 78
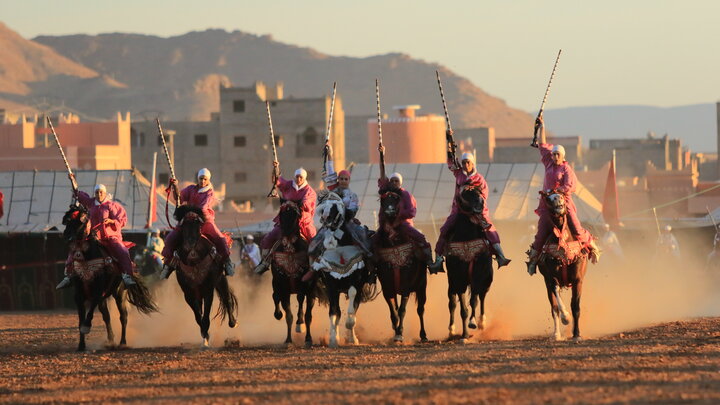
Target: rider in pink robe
108, 218
200, 195
462, 177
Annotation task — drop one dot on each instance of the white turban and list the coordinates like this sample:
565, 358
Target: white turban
396, 175
250, 237
559, 149
204, 172
468, 156
301, 172
668, 228
100, 187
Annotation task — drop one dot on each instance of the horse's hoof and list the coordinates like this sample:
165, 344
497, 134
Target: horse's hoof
232, 323
423, 339
565, 318
350, 323
308, 345
300, 328
333, 345
398, 338
472, 325
558, 338
205, 343
81, 348
463, 340
452, 330
84, 329
577, 339
277, 315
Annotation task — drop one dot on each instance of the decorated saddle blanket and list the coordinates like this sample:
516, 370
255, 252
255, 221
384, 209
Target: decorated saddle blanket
340, 262
87, 270
565, 253
467, 251
197, 269
397, 256
292, 264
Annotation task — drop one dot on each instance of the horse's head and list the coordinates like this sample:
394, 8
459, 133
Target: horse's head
331, 210
470, 199
289, 218
77, 223
190, 221
555, 201
390, 203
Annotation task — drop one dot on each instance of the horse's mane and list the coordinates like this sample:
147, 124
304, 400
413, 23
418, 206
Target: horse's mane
183, 210
73, 213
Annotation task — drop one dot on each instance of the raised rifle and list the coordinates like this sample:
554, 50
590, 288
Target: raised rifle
379, 125
73, 182
452, 146
329, 127
534, 143
170, 163
276, 169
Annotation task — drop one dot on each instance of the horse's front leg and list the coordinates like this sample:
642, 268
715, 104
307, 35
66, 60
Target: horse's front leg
392, 305
473, 307
80, 305
550, 286
421, 299
103, 308
353, 304
401, 318
334, 310
122, 304
308, 320
87, 325
288, 318
205, 325
464, 314
452, 305
575, 306
300, 323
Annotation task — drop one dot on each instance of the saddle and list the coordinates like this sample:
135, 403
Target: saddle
86, 270
196, 272
467, 251
397, 256
340, 262
290, 263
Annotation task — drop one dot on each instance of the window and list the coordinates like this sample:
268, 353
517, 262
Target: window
239, 106
240, 141
309, 137
240, 177
273, 103
279, 141
201, 140
163, 178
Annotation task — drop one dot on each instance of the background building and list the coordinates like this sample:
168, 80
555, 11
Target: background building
408, 138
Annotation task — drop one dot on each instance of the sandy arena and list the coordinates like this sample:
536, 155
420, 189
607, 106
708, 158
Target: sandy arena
656, 344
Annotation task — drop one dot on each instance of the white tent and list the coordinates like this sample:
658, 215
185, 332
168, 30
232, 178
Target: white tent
35, 201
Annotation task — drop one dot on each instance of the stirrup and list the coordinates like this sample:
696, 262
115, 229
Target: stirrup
166, 270
128, 280
261, 268
502, 261
64, 283
437, 265
229, 268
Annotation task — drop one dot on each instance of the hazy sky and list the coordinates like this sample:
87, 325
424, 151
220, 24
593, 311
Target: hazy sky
653, 52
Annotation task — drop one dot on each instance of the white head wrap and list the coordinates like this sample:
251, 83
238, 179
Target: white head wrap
668, 228
204, 172
396, 175
559, 149
301, 172
250, 237
468, 156
100, 187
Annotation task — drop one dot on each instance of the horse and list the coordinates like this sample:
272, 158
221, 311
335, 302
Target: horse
562, 262
289, 263
341, 265
469, 261
200, 272
96, 278
400, 269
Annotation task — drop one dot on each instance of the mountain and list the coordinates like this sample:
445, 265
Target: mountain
179, 76
694, 124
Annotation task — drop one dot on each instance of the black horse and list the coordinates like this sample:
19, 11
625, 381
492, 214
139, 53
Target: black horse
289, 263
97, 278
400, 268
562, 262
341, 265
200, 272
469, 260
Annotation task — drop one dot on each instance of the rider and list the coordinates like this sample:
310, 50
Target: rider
200, 195
299, 191
465, 173
559, 176
155, 246
108, 217
610, 242
251, 252
667, 244
404, 219
339, 183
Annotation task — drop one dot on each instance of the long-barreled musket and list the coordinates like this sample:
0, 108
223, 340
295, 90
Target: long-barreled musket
379, 125
712, 218
276, 168
534, 143
170, 163
329, 126
657, 222
452, 146
73, 182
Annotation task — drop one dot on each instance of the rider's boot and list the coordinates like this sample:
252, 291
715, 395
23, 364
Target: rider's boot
532, 261
229, 267
435, 266
594, 251
500, 256
128, 280
64, 283
166, 270
265, 263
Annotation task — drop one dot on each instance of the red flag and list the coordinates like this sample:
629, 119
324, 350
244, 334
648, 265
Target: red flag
610, 208
2, 212
152, 205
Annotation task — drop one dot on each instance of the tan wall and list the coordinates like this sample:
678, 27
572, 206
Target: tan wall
409, 140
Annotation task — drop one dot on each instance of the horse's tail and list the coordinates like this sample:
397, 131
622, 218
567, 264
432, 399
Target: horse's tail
228, 301
140, 297
320, 291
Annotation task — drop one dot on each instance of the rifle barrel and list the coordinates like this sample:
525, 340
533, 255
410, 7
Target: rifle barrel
442, 96
332, 109
62, 153
165, 148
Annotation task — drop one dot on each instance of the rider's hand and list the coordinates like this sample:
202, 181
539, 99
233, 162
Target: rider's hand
173, 180
381, 149
276, 163
108, 221
539, 122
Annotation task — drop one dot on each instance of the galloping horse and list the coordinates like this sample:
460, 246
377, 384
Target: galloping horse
562, 262
200, 272
97, 278
341, 265
400, 270
289, 264
469, 260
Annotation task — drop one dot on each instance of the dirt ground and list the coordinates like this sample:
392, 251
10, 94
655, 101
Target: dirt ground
675, 362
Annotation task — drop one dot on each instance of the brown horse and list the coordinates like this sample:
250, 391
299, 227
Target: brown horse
562, 262
399, 267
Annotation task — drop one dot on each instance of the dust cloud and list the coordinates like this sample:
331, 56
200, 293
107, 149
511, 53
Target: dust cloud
618, 295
